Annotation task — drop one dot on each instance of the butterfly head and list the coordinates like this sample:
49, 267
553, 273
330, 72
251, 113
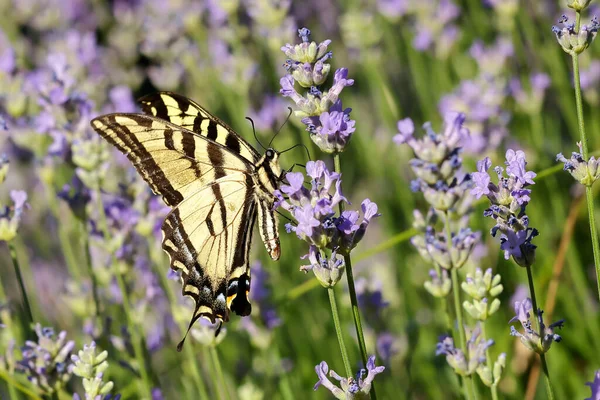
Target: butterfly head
269, 169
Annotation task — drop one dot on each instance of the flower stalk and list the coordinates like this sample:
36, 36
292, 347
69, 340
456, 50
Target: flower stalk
584, 152
16, 265
352, 289
338, 331
549, 388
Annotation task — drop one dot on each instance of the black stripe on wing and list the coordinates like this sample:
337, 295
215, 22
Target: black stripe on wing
184, 112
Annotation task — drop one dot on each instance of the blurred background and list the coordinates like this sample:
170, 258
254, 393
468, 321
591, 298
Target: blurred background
90, 215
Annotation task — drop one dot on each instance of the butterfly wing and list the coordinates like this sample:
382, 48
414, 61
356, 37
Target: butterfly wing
207, 237
174, 161
181, 111
208, 233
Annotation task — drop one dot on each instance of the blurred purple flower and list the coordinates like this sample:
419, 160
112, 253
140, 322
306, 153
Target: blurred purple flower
492, 59
370, 298
270, 115
590, 76
508, 202
122, 99
46, 362
483, 99
7, 55
261, 295
595, 387
387, 346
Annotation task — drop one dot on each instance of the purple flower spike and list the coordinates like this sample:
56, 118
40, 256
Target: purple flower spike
538, 341
509, 199
515, 161
350, 387
314, 210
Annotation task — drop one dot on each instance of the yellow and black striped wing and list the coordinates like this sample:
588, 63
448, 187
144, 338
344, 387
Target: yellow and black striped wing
174, 161
208, 239
184, 112
208, 233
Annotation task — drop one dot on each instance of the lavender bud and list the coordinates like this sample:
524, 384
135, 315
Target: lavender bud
328, 271
440, 284
578, 5
492, 377
585, 172
91, 366
482, 284
575, 42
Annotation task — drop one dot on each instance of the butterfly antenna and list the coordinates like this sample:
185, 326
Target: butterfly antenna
282, 125
254, 132
284, 216
299, 145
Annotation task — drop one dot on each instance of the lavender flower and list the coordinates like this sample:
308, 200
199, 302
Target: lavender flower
509, 199
437, 163
91, 366
46, 362
595, 387
585, 172
328, 124
350, 388
313, 210
328, 270
10, 218
465, 364
541, 341
572, 42
531, 101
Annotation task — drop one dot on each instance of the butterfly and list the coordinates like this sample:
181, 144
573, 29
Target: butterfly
217, 184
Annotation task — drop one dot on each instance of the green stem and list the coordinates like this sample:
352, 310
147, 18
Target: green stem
222, 386
490, 365
136, 336
338, 331
26, 305
352, 290
88, 260
457, 304
584, 149
536, 317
